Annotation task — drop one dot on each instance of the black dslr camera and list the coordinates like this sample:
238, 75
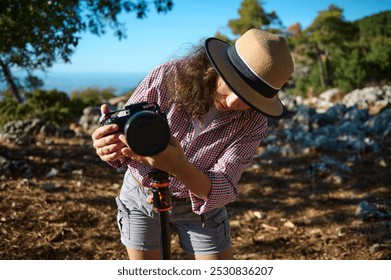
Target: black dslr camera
144, 125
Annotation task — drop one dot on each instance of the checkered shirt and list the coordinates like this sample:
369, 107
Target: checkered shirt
222, 151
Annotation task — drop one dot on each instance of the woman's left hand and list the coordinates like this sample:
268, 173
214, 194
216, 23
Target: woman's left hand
171, 160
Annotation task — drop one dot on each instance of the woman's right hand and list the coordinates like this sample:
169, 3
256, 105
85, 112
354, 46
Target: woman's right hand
105, 141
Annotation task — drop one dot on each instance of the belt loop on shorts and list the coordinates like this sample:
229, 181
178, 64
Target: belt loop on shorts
137, 181
202, 221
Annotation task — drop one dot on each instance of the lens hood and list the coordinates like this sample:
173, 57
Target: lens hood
147, 133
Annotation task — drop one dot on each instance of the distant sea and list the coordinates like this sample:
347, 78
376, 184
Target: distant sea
71, 81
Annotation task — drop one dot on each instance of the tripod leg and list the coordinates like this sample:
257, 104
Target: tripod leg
165, 236
162, 205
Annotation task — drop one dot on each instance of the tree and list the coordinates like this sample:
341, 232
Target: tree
377, 25
328, 31
33, 83
35, 34
335, 52
366, 59
375, 46
349, 66
252, 15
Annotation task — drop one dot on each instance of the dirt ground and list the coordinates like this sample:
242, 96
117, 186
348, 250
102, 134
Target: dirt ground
65, 209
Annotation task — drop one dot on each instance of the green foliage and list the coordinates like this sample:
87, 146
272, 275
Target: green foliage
331, 52
343, 54
10, 109
378, 25
378, 59
52, 106
350, 69
92, 96
330, 28
367, 59
32, 82
310, 82
328, 31
35, 34
252, 15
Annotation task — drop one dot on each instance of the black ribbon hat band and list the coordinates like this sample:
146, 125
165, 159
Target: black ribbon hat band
248, 75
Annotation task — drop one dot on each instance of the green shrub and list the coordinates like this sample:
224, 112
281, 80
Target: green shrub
52, 106
92, 96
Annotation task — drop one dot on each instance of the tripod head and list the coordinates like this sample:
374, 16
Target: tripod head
160, 190
158, 176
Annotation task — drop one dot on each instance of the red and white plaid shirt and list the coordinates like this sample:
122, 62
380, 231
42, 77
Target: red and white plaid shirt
222, 150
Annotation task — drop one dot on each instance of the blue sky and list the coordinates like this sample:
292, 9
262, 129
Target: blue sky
107, 62
158, 38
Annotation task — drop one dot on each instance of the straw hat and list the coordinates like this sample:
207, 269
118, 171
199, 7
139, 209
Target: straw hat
255, 68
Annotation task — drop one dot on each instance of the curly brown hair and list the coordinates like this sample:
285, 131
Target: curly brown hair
195, 85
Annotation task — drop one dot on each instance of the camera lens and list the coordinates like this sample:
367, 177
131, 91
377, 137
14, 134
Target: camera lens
147, 133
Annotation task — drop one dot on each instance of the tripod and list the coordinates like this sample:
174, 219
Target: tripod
162, 204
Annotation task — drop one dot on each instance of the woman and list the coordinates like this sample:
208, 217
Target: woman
217, 100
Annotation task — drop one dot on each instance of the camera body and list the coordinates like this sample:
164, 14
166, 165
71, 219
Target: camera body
144, 126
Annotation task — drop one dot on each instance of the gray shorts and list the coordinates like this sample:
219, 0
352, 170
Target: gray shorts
139, 226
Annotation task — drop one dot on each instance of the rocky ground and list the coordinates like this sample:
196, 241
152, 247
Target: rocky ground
57, 200
67, 209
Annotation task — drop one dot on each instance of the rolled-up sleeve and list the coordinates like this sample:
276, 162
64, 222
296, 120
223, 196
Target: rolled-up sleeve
228, 170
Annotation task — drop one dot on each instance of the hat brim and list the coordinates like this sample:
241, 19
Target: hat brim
217, 52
